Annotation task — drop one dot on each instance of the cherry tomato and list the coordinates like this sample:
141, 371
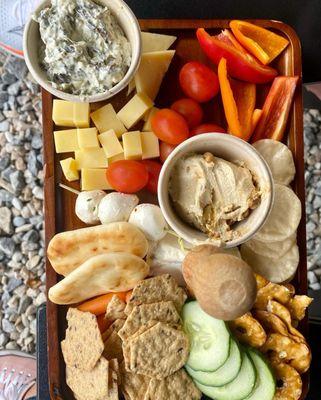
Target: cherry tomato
169, 126
190, 110
127, 176
205, 128
198, 81
153, 168
165, 150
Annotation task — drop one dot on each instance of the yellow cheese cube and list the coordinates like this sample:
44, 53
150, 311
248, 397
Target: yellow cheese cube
132, 145
62, 113
119, 157
66, 140
148, 124
135, 109
151, 71
92, 157
150, 145
69, 168
156, 42
81, 115
110, 143
131, 86
94, 179
105, 118
87, 137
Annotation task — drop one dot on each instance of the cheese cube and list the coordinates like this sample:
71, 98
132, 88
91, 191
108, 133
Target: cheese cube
87, 137
110, 143
69, 168
81, 115
131, 86
66, 140
105, 118
135, 109
150, 145
119, 157
132, 145
92, 157
94, 179
151, 71
62, 113
148, 124
156, 42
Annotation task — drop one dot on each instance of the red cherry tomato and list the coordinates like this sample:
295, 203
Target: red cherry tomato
198, 81
169, 126
190, 110
165, 150
205, 128
127, 176
154, 169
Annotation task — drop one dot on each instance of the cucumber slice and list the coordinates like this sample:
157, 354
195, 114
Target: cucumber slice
209, 338
265, 383
239, 388
225, 374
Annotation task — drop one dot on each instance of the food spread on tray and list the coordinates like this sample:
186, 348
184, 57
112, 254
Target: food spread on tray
150, 316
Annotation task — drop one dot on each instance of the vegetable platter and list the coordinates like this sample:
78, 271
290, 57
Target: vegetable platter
60, 203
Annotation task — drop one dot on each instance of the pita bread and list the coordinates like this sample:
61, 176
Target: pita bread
68, 250
111, 272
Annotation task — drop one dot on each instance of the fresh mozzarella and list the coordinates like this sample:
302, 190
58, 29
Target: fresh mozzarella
116, 207
87, 205
149, 219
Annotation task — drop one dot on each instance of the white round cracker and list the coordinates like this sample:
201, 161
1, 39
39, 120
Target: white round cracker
279, 158
271, 249
284, 218
275, 270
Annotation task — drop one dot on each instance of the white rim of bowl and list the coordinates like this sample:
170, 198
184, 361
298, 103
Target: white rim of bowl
92, 98
161, 194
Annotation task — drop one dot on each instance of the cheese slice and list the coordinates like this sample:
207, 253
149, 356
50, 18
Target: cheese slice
135, 109
132, 145
150, 145
94, 179
87, 137
91, 157
148, 123
151, 71
156, 42
66, 140
119, 157
63, 113
69, 168
110, 143
81, 115
105, 118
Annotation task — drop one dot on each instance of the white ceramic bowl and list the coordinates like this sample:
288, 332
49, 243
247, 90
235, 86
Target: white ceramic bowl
127, 21
232, 149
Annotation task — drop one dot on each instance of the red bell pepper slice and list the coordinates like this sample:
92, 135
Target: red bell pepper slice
276, 109
239, 63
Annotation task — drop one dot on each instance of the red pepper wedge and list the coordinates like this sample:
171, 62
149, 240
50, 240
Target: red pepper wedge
239, 64
276, 109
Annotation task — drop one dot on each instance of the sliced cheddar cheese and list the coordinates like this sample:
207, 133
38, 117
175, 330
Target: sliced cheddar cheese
63, 112
66, 140
135, 109
156, 42
148, 123
92, 157
94, 179
151, 71
110, 143
81, 113
132, 145
105, 118
69, 168
150, 145
87, 137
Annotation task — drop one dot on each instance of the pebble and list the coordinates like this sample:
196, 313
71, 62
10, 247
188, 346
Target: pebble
5, 220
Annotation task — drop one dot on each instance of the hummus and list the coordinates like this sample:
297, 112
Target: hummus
212, 194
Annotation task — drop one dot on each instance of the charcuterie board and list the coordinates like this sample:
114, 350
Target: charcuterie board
60, 204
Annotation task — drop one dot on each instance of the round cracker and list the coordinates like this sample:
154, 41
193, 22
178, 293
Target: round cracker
271, 249
279, 158
284, 218
277, 270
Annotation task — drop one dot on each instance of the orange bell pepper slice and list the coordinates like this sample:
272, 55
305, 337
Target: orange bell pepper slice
276, 109
98, 305
238, 102
255, 118
262, 43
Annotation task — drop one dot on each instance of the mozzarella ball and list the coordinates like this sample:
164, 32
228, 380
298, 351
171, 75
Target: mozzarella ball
150, 220
87, 206
116, 207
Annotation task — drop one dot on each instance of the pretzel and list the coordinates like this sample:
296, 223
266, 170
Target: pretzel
291, 388
248, 330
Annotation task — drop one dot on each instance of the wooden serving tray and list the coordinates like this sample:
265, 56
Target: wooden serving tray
59, 203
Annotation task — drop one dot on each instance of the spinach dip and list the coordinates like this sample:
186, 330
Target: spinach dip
84, 50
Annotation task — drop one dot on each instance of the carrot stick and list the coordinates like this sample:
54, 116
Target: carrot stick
99, 304
128, 296
255, 119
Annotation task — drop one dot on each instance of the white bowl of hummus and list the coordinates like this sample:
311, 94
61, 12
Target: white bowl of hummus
215, 188
82, 50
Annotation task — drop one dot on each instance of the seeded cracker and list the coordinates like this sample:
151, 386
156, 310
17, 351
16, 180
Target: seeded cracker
114, 365
163, 311
89, 385
115, 309
115, 326
113, 343
158, 352
113, 382
174, 387
83, 344
153, 290
133, 386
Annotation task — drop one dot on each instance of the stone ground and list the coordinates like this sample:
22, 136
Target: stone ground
22, 285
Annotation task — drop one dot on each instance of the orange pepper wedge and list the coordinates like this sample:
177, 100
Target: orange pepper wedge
255, 118
262, 43
98, 304
238, 102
